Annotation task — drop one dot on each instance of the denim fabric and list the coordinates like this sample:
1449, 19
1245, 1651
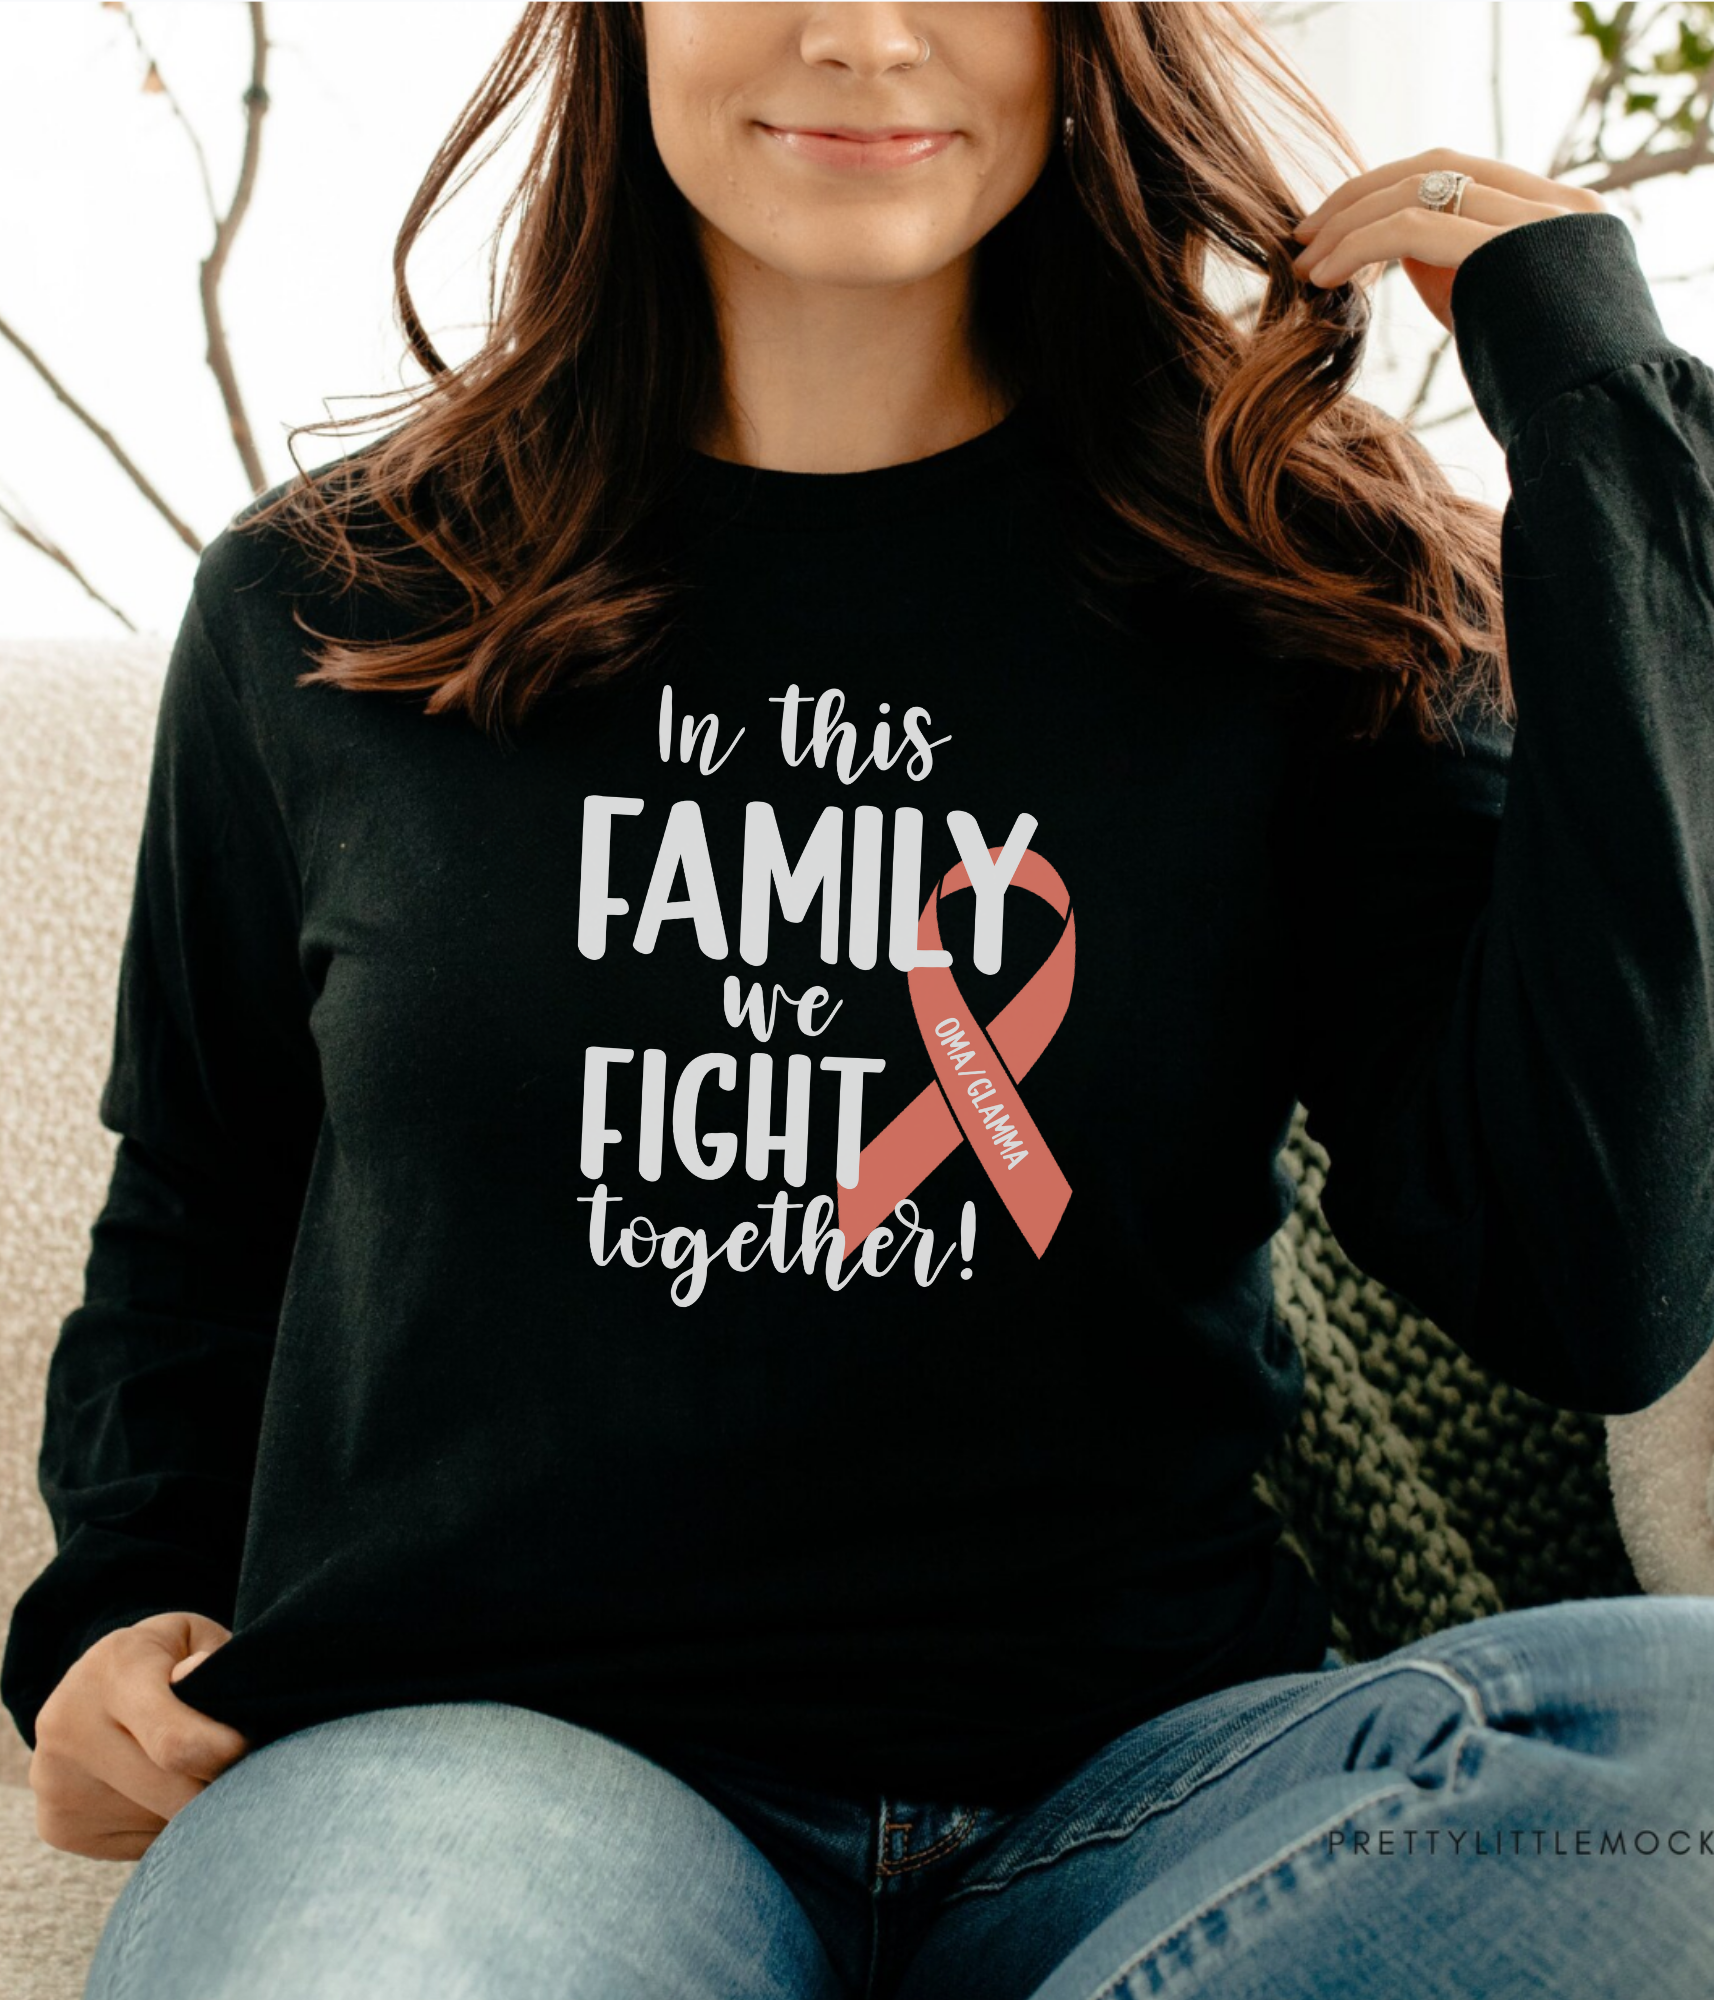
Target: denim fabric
1522, 1805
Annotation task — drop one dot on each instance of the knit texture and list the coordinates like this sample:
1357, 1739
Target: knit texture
1421, 1491
1536, 311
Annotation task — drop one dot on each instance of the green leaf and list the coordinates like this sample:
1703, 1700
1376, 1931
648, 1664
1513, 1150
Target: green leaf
1604, 34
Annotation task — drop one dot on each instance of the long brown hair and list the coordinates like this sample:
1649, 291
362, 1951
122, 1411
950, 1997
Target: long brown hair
523, 482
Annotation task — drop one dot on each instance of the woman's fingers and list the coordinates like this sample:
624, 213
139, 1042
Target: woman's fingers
1481, 203
118, 1752
1392, 222
155, 1749
82, 1813
177, 1738
1499, 176
1424, 235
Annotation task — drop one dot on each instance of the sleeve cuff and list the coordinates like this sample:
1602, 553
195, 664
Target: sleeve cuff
1547, 306
91, 1587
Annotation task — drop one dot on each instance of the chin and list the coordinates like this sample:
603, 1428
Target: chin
902, 260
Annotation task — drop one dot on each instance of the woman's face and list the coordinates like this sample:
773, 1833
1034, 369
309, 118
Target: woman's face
745, 100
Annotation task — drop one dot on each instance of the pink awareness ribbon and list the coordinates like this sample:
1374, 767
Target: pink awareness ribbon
974, 1094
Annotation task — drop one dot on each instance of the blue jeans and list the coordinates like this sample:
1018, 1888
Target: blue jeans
1522, 1805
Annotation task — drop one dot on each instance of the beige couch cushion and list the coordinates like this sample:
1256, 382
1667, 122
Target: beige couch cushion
52, 1906
76, 728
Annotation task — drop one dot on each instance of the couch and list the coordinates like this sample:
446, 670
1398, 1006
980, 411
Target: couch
1422, 1492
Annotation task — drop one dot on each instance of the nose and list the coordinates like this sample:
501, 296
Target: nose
868, 40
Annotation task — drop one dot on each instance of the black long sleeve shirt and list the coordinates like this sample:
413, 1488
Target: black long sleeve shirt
465, 1317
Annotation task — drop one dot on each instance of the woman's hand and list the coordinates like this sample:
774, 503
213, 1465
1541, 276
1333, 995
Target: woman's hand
1375, 217
117, 1752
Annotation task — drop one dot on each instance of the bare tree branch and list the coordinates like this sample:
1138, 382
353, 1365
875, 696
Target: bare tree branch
219, 353
45, 545
1277, 14
1655, 166
1635, 80
161, 84
1442, 348
104, 437
1445, 417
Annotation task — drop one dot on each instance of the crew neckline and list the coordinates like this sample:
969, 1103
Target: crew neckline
768, 496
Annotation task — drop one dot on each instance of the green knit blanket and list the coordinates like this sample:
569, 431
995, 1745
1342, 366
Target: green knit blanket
1421, 1491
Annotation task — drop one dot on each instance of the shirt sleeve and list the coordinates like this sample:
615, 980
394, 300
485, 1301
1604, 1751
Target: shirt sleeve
1505, 1027
156, 1382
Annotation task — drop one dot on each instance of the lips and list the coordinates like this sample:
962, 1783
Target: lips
862, 133
859, 148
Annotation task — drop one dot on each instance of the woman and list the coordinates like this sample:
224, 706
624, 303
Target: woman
755, 1105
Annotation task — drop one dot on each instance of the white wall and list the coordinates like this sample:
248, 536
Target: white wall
102, 226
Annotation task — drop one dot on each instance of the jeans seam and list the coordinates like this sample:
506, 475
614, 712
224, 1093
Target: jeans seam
133, 1922
1295, 1845
874, 1965
944, 1845
1124, 1828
